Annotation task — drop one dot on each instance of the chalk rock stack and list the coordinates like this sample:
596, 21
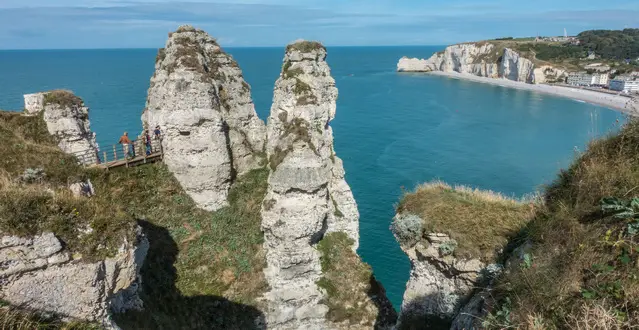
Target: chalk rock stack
203, 106
38, 273
67, 119
307, 195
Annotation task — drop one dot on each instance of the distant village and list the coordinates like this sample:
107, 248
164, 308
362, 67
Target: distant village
597, 75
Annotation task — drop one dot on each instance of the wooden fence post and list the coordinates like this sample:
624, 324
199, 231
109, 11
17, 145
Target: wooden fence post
105, 158
115, 154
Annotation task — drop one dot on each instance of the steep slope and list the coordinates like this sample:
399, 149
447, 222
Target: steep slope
70, 256
310, 219
201, 102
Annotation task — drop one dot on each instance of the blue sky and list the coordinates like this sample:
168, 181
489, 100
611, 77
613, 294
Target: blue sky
48, 24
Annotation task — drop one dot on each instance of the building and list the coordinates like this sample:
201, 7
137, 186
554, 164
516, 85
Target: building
599, 79
626, 86
579, 79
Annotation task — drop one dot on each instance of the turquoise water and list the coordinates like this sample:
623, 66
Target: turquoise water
392, 130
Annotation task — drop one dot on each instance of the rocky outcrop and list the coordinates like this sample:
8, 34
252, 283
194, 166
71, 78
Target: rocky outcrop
307, 196
203, 106
67, 119
547, 74
440, 284
485, 60
39, 274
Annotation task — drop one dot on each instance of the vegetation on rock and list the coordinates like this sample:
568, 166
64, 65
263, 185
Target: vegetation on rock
353, 294
203, 269
62, 98
18, 319
482, 222
305, 46
581, 271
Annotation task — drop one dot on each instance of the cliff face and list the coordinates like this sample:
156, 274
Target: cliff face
38, 273
67, 119
201, 102
484, 60
307, 197
439, 284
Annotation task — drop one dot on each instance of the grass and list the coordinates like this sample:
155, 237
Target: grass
203, 263
297, 129
582, 270
352, 293
13, 318
305, 46
62, 98
481, 222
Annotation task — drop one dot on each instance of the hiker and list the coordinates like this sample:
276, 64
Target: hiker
158, 133
147, 142
125, 142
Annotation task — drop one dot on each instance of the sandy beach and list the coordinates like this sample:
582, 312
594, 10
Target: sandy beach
616, 102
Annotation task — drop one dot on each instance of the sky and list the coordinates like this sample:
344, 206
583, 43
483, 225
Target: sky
74, 24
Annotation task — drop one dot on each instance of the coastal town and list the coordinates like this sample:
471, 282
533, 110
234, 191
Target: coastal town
598, 67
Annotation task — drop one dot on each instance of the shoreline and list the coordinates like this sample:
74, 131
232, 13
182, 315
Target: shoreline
614, 102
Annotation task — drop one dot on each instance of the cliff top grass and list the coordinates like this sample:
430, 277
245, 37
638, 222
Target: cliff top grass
582, 270
28, 208
305, 46
481, 222
353, 294
203, 269
63, 98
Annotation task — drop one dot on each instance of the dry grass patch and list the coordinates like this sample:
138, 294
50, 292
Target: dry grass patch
13, 318
481, 222
584, 260
63, 98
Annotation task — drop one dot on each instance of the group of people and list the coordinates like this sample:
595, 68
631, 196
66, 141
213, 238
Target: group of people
128, 146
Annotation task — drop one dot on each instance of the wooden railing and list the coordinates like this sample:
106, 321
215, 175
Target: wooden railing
122, 155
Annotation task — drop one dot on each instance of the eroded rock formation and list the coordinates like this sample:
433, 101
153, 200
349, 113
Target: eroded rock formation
38, 273
67, 119
307, 195
440, 284
201, 102
485, 60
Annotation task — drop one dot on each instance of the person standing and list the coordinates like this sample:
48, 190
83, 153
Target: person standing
125, 142
158, 133
147, 142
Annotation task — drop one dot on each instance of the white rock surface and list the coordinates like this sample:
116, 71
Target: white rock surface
517, 68
547, 74
484, 60
307, 195
66, 120
37, 273
204, 109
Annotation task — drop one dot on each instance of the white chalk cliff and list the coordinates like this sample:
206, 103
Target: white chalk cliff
203, 106
67, 119
307, 195
484, 60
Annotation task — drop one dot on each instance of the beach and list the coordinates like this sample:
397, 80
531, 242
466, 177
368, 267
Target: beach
616, 102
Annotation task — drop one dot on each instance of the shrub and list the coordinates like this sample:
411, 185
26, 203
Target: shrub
407, 229
63, 98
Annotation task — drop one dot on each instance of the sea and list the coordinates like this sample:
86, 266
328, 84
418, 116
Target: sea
393, 130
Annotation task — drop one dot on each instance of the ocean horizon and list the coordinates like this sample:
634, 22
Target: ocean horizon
393, 131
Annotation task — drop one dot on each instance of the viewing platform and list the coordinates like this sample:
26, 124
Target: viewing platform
117, 156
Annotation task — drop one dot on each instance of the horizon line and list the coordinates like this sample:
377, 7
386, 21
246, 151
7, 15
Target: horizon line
227, 47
